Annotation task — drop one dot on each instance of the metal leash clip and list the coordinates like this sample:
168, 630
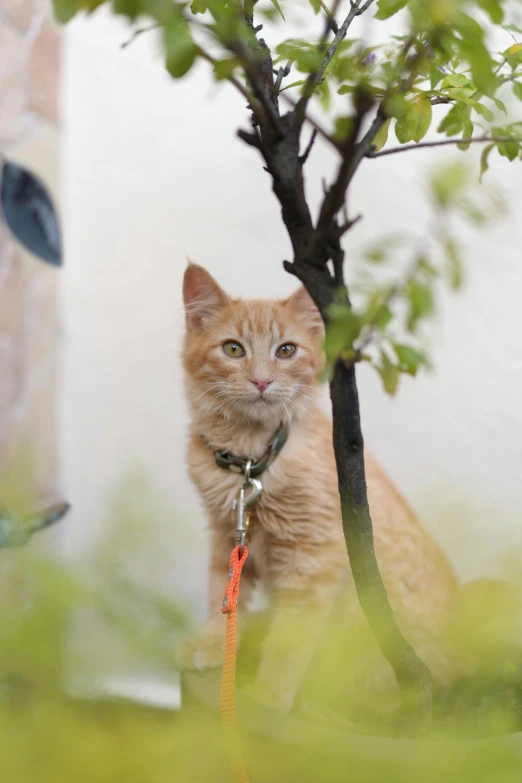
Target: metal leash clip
249, 494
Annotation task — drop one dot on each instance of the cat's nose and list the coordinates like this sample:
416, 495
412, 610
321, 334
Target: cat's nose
262, 384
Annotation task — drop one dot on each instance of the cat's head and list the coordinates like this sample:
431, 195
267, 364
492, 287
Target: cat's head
253, 360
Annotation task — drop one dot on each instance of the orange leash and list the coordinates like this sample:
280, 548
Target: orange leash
228, 676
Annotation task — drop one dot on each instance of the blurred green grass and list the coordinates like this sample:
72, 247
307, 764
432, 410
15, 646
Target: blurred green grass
45, 737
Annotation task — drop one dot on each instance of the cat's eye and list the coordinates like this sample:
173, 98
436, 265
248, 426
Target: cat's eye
286, 351
233, 349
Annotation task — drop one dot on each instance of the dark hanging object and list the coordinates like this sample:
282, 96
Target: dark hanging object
29, 213
15, 532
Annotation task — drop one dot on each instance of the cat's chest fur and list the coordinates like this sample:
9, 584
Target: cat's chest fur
219, 488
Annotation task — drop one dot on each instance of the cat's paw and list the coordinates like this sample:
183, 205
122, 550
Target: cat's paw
276, 699
199, 652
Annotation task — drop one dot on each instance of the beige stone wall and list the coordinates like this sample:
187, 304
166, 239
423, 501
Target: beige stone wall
29, 67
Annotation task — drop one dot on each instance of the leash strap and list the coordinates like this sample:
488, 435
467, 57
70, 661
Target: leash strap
228, 676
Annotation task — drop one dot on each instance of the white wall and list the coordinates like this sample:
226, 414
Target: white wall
152, 173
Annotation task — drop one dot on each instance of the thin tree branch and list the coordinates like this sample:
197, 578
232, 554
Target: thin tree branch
365, 7
334, 27
348, 224
252, 139
304, 157
512, 77
355, 152
445, 142
314, 79
138, 32
282, 72
435, 101
334, 198
259, 73
365, 145
232, 79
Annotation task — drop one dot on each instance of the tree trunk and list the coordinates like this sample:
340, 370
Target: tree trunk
413, 676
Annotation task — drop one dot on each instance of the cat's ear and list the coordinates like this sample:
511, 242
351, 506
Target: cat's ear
202, 296
302, 303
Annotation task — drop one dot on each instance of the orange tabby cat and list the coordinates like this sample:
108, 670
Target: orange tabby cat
250, 365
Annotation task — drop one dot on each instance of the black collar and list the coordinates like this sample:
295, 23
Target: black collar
225, 459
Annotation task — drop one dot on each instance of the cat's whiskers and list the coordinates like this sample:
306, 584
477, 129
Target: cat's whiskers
306, 408
218, 393
213, 405
287, 413
300, 410
208, 391
228, 409
209, 383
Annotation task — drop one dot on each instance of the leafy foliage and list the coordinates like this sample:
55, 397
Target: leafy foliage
441, 81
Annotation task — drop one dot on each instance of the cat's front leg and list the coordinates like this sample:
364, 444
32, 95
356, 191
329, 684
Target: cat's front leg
304, 589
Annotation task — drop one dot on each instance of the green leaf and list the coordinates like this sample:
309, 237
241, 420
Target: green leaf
514, 55
224, 69
457, 80
345, 68
493, 8
324, 95
381, 137
467, 125
383, 317
389, 72
401, 132
448, 183
276, 5
345, 88
409, 358
436, 76
64, 10
335, 339
342, 127
452, 123
460, 93
473, 213
418, 119
509, 149
315, 5
484, 165
199, 7
163, 11
484, 111
420, 301
396, 106
454, 262
427, 268
387, 8
298, 83
473, 49
306, 57
342, 330
376, 255
179, 47
389, 374
517, 90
